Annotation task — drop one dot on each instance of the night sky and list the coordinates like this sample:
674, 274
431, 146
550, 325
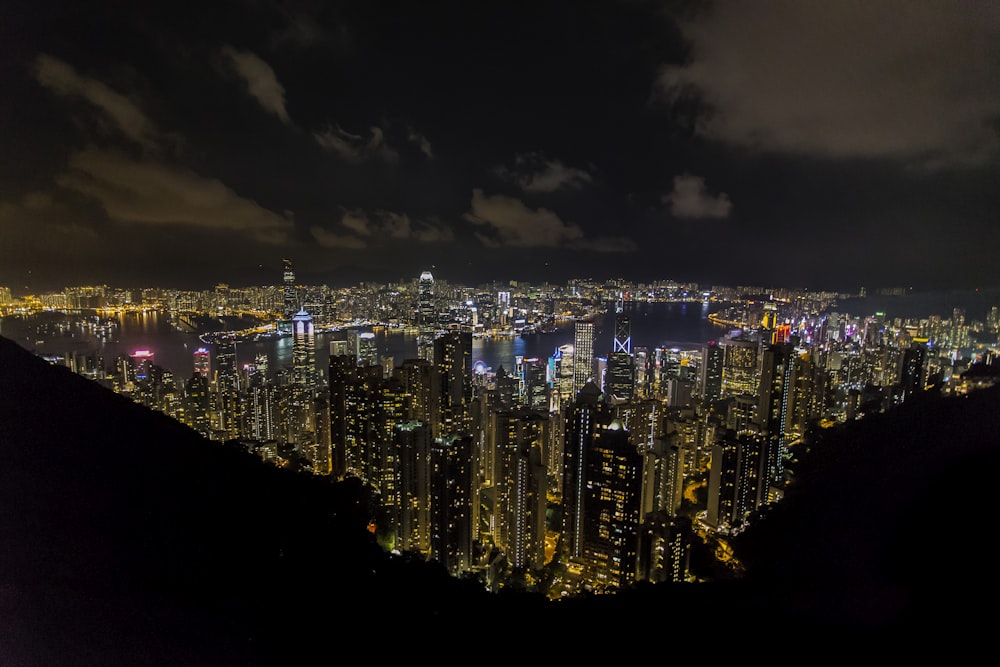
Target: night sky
825, 145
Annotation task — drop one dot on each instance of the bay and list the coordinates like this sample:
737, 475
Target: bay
79, 335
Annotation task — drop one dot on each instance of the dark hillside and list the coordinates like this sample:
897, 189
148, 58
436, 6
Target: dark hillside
127, 539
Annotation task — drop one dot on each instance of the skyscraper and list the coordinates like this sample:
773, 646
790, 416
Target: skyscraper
453, 362
611, 506
426, 317
710, 373
303, 351
202, 362
583, 354
291, 301
621, 366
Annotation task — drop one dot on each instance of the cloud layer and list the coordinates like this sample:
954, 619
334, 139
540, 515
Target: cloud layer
897, 79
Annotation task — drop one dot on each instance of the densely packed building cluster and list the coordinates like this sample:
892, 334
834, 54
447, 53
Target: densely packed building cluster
587, 471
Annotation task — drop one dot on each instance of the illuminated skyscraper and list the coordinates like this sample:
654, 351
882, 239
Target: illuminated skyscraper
611, 508
453, 362
620, 378
225, 360
142, 361
583, 355
710, 372
587, 412
303, 351
776, 402
202, 362
452, 492
426, 317
227, 385
520, 500
291, 297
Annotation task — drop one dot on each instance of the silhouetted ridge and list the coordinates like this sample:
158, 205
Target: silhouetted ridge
128, 539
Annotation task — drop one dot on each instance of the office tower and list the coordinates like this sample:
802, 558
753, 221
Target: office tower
583, 355
740, 371
202, 362
620, 379
611, 508
291, 299
141, 363
585, 414
641, 362
710, 372
452, 493
303, 351
453, 361
225, 360
426, 317
412, 444
363, 345
563, 362
518, 439
534, 384
339, 347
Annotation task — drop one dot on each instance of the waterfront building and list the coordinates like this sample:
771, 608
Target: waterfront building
303, 351
620, 379
427, 324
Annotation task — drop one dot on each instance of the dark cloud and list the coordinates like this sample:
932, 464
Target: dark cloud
354, 147
856, 140
260, 80
895, 79
121, 112
535, 173
690, 199
134, 192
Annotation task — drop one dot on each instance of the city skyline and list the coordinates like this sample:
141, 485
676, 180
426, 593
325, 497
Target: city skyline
795, 144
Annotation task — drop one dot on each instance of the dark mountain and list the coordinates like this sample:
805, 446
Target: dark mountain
127, 539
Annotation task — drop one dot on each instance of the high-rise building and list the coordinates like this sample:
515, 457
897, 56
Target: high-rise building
740, 366
587, 412
412, 444
710, 375
583, 354
519, 438
202, 362
291, 299
426, 317
776, 404
620, 378
303, 351
453, 361
452, 493
611, 510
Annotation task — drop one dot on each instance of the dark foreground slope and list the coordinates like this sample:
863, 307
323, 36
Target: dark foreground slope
126, 539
